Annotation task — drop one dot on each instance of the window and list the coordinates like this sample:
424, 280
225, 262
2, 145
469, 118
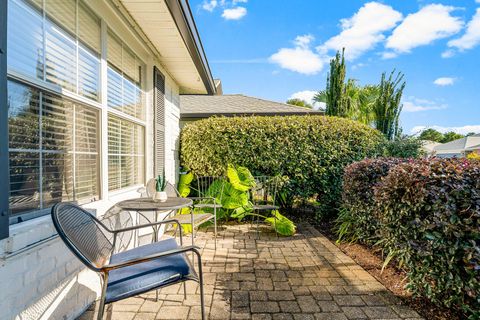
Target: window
53, 148
51, 46
124, 94
125, 153
125, 79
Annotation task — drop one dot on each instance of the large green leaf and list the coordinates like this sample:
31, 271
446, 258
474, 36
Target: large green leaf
233, 198
241, 178
282, 224
184, 184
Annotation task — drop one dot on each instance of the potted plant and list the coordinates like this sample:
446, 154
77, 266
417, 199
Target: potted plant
161, 183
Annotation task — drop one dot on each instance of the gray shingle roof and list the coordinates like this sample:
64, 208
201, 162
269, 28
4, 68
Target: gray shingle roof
201, 106
459, 145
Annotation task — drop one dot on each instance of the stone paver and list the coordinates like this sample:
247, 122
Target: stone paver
301, 277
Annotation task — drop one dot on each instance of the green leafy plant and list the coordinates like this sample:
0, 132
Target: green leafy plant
357, 220
161, 182
430, 217
184, 183
234, 196
309, 153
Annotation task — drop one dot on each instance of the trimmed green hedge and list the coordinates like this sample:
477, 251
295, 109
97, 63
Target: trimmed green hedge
426, 214
357, 219
311, 151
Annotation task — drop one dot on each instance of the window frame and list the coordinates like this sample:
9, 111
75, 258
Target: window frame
101, 104
4, 160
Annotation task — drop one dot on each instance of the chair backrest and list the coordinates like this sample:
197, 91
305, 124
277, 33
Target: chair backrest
171, 191
203, 184
151, 187
265, 190
116, 218
83, 234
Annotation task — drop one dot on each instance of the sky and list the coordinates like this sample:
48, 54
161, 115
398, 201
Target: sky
279, 49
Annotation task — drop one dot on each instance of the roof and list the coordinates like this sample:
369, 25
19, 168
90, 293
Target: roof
203, 106
459, 145
168, 29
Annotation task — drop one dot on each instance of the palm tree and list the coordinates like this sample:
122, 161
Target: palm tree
387, 106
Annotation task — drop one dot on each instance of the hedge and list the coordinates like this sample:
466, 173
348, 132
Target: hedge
426, 216
357, 219
430, 217
311, 151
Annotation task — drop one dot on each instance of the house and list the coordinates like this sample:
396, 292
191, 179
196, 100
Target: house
458, 148
197, 107
89, 111
428, 147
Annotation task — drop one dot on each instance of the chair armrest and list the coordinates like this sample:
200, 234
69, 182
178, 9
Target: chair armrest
203, 198
113, 266
140, 226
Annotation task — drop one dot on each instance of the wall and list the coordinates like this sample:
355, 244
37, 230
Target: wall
39, 277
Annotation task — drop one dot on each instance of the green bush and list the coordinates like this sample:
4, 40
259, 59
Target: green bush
311, 151
405, 147
357, 220
430, 216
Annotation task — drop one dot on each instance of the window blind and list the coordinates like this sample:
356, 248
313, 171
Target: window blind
53, 149
125, 153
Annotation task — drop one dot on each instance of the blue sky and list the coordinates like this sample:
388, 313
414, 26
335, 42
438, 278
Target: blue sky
279, 49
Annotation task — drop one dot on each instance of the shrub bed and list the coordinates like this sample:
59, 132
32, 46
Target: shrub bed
427, 215
430, 216
357, 219
311, 151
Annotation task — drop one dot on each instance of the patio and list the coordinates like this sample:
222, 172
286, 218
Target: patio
301, 277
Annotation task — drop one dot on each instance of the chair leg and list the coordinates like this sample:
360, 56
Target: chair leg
200, 282
184, 290
275, 225
215, 226
101, 307
258, 231
156, 295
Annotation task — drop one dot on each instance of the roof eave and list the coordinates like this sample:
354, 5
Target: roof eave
182, 15
242, 114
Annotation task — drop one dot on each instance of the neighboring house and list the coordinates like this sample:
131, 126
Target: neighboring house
93, 99
197, 107
428, 147
458, 148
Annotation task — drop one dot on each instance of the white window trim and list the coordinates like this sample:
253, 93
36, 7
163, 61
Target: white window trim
102, 104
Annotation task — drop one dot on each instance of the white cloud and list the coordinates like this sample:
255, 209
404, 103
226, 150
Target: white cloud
430, 23
234, 2
363, 30
413, 104
234, 13
477, 1
299, 59
389, 55
448, 53
307, 95
461, 130
210, 5
471, 37
444, 81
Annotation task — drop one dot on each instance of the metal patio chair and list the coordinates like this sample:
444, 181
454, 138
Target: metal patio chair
127, 273
195, 219
263, 197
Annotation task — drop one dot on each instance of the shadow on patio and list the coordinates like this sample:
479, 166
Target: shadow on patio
300, 277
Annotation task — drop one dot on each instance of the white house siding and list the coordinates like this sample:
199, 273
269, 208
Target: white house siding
39, 277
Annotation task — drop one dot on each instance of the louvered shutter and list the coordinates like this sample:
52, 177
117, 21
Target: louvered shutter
159, 125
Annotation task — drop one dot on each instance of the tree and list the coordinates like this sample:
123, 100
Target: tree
387, 106
431, 135
299, 103
450, 136
335, 92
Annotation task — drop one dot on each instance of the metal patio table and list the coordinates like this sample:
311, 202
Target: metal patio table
140, 205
